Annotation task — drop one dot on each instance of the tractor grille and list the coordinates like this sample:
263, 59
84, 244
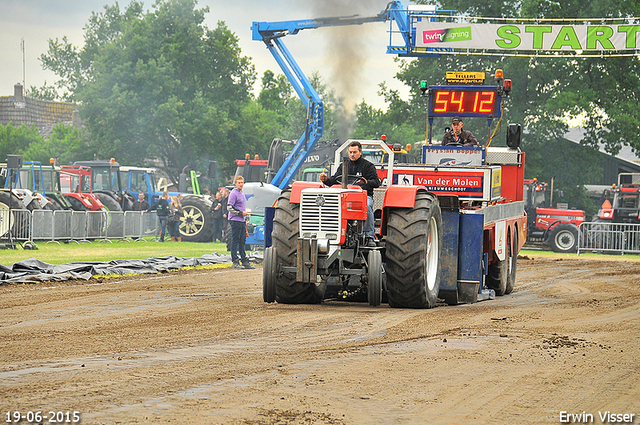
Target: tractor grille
320, 214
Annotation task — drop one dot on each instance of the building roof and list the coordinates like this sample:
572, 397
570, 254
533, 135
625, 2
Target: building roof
575, 134
45, 114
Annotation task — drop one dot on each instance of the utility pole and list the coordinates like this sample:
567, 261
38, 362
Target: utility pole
24, 67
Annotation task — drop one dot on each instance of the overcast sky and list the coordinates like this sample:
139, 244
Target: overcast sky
351, 59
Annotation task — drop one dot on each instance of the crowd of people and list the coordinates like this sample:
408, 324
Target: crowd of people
228, 210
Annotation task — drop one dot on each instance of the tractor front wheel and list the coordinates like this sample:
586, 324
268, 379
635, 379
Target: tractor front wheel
564, 238
374, 278
285, 240
269, 275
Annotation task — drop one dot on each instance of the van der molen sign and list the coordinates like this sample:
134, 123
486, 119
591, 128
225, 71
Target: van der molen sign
528, 37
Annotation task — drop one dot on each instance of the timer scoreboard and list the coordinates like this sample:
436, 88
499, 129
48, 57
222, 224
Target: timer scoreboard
465, 101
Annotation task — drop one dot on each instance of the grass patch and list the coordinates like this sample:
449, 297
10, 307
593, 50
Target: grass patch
536, 253
100, 251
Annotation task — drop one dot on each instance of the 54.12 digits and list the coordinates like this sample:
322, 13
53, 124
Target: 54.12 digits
49, 417
465, 101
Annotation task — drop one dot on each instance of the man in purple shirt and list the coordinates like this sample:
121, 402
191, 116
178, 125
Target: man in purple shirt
237, 207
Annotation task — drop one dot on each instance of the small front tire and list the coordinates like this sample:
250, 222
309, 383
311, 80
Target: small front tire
564, 238
269, 275
374, 277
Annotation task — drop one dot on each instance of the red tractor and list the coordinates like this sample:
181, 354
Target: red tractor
75, 184
554, 227
625, 207
432, 243
450, 227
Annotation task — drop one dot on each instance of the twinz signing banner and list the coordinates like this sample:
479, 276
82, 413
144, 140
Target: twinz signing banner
528, 37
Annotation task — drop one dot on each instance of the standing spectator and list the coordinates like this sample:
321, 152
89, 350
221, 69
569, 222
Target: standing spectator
162, 206
237, 208
218, 219
141, 204
175, 212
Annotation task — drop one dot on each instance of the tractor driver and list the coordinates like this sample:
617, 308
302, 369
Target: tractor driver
458, 136
365, 175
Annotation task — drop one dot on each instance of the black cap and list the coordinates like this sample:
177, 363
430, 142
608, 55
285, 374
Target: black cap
456, 120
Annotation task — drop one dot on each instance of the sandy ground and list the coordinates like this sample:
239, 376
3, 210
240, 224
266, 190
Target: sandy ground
201, 347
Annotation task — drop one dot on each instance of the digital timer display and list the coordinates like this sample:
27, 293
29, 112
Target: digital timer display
470, 102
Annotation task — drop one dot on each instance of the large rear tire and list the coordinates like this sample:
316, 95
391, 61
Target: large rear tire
564, 238
414, 244
110, 204
76, 204
285, 236
269, 270
196, 223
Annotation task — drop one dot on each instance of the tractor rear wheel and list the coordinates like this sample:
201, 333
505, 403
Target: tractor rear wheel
76, 204
414, 243
285, 239
564, 238
499, 272
16, 219
269, 275
512, 256
196, 223
110, 204
374, 278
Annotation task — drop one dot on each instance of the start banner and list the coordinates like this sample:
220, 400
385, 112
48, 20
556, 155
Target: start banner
509, 37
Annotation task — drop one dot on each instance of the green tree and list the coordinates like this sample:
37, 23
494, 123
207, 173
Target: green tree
158, 85
275, 94
66, 144
296, 112
398, 123
15, 140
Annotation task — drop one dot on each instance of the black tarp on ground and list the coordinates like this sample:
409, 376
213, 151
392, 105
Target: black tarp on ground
33, 270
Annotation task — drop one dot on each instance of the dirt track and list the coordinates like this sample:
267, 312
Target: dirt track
202, 347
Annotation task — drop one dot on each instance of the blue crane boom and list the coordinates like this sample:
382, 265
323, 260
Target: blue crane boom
271, 33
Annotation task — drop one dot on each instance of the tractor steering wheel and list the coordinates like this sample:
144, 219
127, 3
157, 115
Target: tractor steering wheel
352, 179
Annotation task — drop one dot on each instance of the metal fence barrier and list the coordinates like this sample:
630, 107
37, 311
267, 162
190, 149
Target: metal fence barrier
19, 221
609, 238
68, 226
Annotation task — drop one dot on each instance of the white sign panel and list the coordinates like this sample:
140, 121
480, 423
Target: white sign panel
527, 37
501, 240
449, 155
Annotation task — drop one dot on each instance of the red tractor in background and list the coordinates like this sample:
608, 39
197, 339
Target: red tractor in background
625, 207
75, 184
554, 227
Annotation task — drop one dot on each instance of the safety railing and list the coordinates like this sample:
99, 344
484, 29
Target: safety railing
77, 226
609, 238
